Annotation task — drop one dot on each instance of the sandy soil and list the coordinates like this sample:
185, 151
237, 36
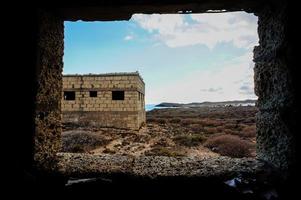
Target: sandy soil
140, 142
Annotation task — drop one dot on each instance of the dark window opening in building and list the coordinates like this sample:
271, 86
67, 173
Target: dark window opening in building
93, 93
69, 95
117, 95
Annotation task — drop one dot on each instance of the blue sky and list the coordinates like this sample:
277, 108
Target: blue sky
182, 58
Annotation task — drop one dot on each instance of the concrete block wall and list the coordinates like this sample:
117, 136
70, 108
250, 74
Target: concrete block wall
103, 111
141, 102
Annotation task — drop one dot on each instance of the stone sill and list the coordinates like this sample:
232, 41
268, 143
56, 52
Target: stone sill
153, 167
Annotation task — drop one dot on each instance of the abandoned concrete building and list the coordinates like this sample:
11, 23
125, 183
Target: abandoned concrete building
104, 100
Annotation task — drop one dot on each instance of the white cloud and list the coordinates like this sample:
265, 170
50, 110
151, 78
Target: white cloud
209, 29
128, 37
234, 81
219, 89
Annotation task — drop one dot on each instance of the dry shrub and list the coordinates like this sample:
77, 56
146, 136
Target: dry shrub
231, 132
210, 122
210, 130
108, 151
189, 140
175, 120
245, 132
77, 148
250, 120
78, 141
150, 120
186, 122
220, 129
161, 121
163, 142
230, 126
196, 128
157, 120
249, 131
229, 145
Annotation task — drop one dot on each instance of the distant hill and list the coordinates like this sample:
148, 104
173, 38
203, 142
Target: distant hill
208, 104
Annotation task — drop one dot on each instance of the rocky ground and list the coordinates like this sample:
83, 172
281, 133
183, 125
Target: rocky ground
192, 132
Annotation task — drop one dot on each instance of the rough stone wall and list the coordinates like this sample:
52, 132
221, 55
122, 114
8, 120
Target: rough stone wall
48, 83
274, 86
102, 110
275, 75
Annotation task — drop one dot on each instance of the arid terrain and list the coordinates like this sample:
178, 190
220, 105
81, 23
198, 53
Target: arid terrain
201, 132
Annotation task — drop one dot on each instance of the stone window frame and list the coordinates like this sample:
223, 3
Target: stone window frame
276, 105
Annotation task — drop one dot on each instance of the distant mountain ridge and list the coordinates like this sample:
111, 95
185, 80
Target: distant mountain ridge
208, 103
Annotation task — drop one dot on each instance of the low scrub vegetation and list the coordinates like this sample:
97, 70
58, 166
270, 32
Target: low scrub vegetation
81, 141
189, 140
229, 145
175, 120
158, 120
229, 131
205, 131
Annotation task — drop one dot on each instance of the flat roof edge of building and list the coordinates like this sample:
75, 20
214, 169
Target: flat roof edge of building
106, 74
